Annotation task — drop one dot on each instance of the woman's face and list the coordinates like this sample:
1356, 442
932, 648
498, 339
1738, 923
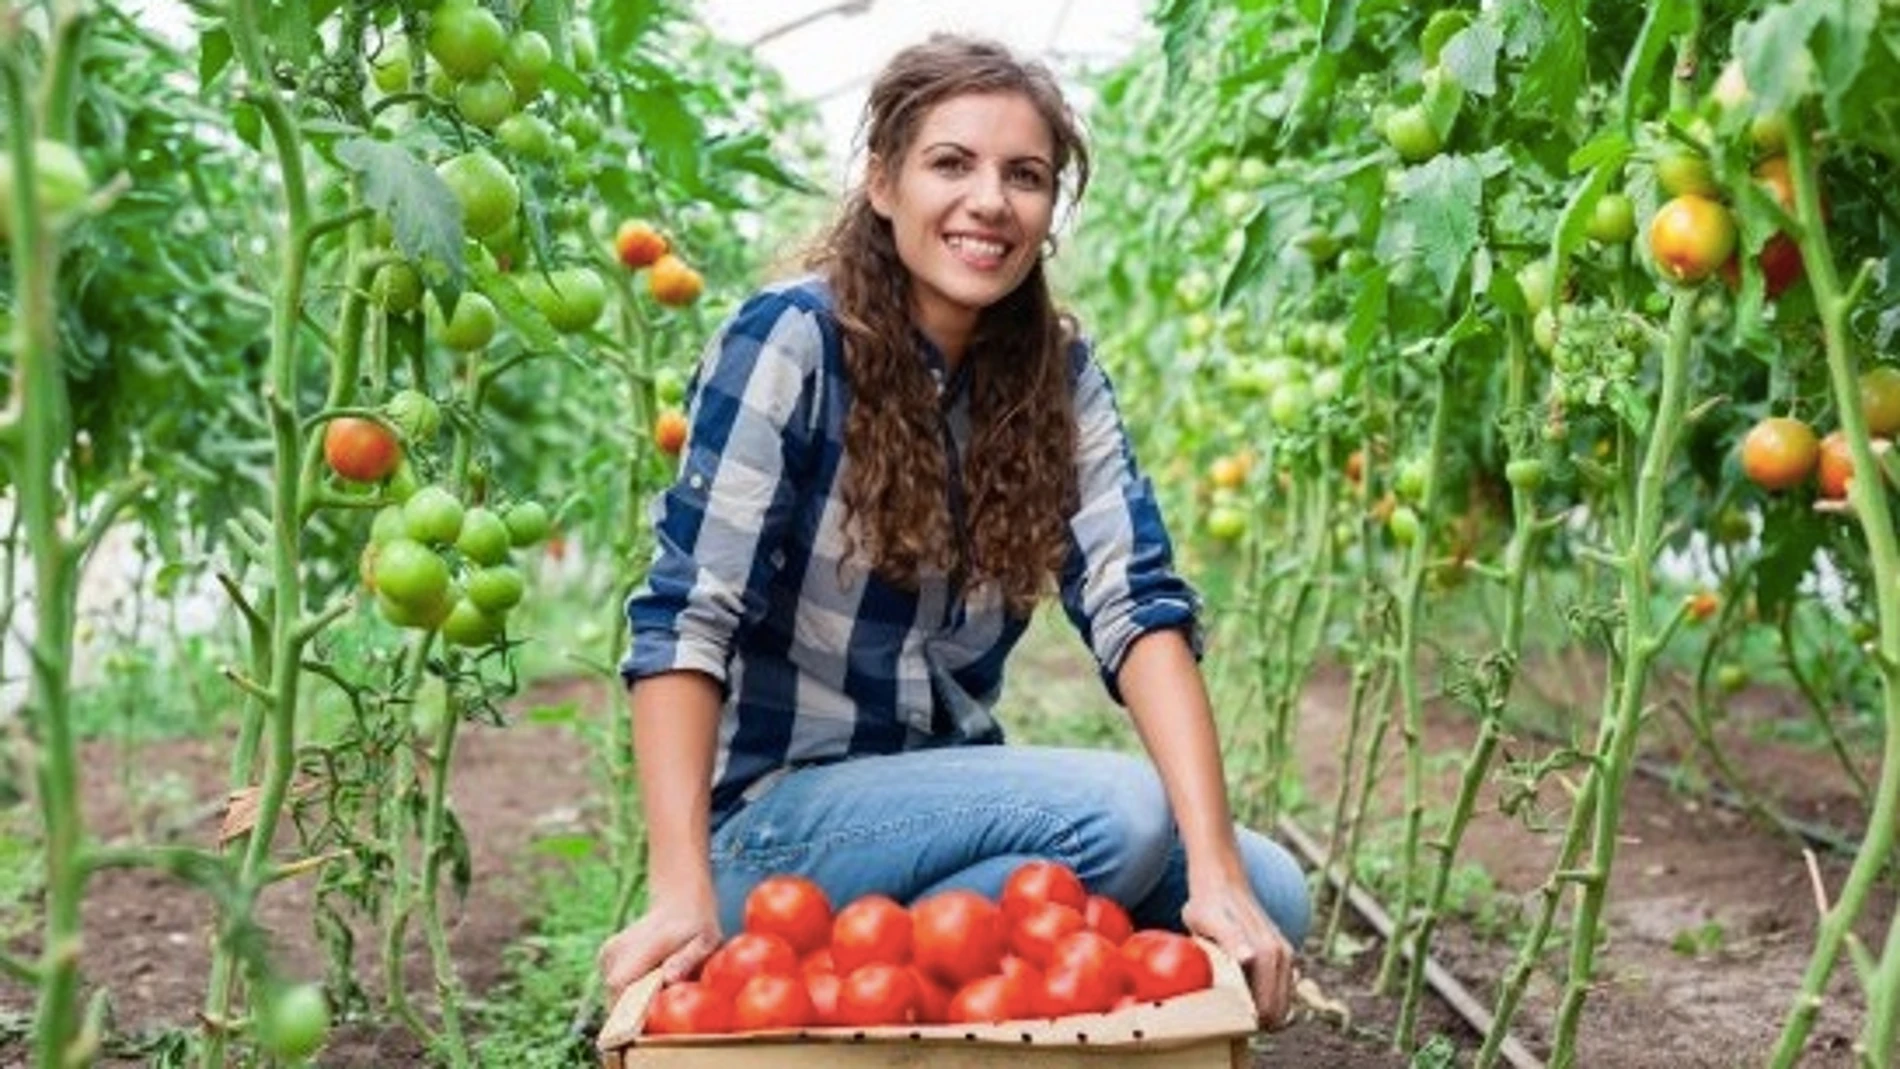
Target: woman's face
969, 203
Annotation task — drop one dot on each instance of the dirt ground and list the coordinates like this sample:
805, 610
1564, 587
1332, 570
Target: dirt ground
1682, 867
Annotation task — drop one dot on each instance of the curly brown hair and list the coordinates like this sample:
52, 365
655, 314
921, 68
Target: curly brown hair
1019, 474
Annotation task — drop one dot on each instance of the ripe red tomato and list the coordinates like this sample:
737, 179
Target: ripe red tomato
688, 1009
1036, 882
1092, 953
958, 936
987, 1001
1779, 453
874, 929
361, 450
1163, 964
933, 999
1069, 989
878, 994
1035, 936
823, 987
1106, 916
771, 1001
1836, 466
745, 956
793, 908
1690, 237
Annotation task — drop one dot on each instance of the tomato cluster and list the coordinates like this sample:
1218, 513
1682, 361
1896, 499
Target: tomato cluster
669, 279
1780, 452
1047, 949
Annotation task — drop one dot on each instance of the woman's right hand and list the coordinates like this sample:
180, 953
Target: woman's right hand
674, 936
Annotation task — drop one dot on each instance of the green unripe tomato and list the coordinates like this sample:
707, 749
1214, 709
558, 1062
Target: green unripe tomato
1404, 525
496, 590
485, 100
1613, 221
1289, 404
527, 59
473, 325
415, 414
528, 136
1409, 131
1226, 523
486, 190
1544, 329
586, 50
583, 126
1534, 279
669, 387
484, 538
391, 69
293, 1022
409, 573
468, 625
527, 522
398, 288
59, 178
1680, 171
1526, 474
433, 516
1410, 481
387, 526
1880, 400
466, 38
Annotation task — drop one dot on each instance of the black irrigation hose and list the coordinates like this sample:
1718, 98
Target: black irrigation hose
1442, 982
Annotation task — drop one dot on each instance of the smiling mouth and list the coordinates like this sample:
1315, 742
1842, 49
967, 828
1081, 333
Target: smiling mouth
983, 254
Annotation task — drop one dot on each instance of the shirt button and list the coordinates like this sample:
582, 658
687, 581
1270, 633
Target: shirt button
697, 482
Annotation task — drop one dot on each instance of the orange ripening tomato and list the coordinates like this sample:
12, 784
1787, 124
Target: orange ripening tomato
672, 283
957, 936
688, 1009
1836, 467
745, 956
361, 450
669, 433
638, 245
1691, 237
1779, 453
872, 930
791, 907
1227, 473
1703, 604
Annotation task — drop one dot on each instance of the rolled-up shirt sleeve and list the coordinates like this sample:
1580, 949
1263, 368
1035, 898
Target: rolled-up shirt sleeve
1119, 582
717, 528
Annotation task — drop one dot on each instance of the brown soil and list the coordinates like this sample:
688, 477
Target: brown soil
1682, 867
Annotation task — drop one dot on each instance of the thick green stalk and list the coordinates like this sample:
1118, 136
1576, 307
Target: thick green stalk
280, 393
1493, 693
1382, 715
1869, 498
1642, 640
1411, 611
44, 431
1531, 950
452, 1041
1301, 633
394, 820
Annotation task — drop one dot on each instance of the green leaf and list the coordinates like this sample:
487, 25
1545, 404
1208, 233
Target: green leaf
1338, 25
564, 713
1283, 213
1183, 22
1471, 58
1574, 224
1368, 311
214, 54
291, 29
1667, 19
1776, 61
752, 154
422, 210
1790, 533
533, 328
550, 19
1439, 216
670, 133
622, 24
1553, 76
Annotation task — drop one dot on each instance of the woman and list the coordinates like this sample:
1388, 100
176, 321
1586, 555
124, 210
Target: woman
890, 464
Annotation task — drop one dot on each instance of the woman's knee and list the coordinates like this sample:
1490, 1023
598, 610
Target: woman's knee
1130, 829
1279, 883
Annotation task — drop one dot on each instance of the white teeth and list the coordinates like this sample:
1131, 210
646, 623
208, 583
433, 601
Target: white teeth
976, 246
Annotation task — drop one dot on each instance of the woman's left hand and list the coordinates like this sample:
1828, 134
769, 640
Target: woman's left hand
1226, 913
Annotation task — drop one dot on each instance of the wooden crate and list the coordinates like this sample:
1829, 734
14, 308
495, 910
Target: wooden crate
1205, 1030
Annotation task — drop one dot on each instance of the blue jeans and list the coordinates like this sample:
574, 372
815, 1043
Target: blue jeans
911, 824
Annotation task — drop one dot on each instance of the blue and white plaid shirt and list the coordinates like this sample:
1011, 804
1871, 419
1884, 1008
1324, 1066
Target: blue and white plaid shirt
819, 658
